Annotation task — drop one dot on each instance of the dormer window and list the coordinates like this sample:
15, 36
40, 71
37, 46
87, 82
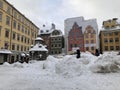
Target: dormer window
40, 46
41, 31
47, 30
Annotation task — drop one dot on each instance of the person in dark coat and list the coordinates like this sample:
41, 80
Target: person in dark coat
97, 52
78, 53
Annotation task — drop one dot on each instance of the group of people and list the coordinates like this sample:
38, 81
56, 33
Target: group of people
97, 53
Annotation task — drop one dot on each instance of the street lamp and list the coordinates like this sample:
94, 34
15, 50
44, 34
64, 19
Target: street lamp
32, 54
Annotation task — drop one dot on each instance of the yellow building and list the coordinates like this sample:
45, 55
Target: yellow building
111, 23
110, 37
17, 32
90, 39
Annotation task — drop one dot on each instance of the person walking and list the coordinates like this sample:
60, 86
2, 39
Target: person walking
78, 53
97, 52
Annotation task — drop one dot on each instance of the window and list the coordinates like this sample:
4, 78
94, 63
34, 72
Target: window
18, 37
7, 20
116, 39
19, 26
106, 48
25, 40
13, 46
92, 35
28, 41
117, 48
22, 28
32, 34
28, 32
52, 39
110, 33
92, 48
86, 36
7, 33
59, 45
105, 34
14, 24
15, 14
92, 41
14, 35
23, 20
111, 48
22, 38
105, 40
18, 47
6, 45
21, 48
8, 10
19, 17
71, 45
116, 33
55, 45
0, 30
41, 31
1, 4
87, 48
87, 41
0, 16
111, 40
75, 45
52, 45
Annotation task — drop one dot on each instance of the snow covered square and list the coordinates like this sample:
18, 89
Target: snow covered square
64, 73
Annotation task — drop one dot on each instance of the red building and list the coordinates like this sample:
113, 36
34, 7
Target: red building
75, 38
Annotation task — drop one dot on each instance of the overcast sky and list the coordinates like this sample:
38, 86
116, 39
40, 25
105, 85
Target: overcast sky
56, 11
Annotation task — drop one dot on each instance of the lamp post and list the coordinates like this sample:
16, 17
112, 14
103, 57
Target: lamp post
32, 54
40, 56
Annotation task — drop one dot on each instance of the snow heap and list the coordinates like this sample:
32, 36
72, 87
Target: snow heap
109, 62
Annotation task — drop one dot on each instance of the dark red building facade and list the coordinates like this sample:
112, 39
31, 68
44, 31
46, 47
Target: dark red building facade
75, 38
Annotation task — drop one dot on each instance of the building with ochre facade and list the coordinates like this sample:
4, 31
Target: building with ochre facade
110, 35
17, 32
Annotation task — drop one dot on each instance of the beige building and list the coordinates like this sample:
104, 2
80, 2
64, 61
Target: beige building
110, 36
17, 32
90, 39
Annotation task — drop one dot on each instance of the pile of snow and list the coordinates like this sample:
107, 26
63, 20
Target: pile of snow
6, 64
70, 66
106, 63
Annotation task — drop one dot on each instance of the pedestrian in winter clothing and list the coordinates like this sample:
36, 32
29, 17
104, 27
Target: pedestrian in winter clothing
97, 52
78, 53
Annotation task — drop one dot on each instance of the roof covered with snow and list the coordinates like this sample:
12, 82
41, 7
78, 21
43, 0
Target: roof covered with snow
38, 47
39, 38
5, 51
118, 21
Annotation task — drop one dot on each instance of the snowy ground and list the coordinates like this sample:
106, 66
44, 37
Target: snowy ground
64, 73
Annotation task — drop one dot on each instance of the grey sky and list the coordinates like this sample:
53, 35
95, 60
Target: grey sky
56, 11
